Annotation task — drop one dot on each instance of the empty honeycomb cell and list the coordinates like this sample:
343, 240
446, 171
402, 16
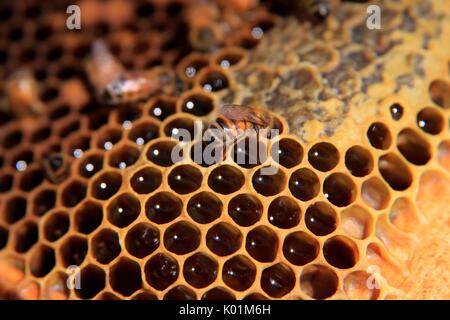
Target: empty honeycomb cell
43, 202
41, 134
430, 120
70, 126
163, 207
198, 104
31, 179
126, 115
185, 179
239, 273
357, 222
304, 184
15, 209
288, 152
299, 248
403, 215
204, 207
226, 179
255, 296
443, 154
160, 153
59, 112
108, 137
146, 180
161, 271
278, 280
340, 252
146, 295
12, 139
125, 277
22, 160
355, 286
108, 296
90, 165
162, 107
49, 94
4, 235
180, 293
200, 270
395, 171
142, 240
182, 237
358, 161
6, 182
440, 93
105, 246
177, 125
245, 209
284, 212
55, 287
321, 218
56, 225
249, 152
73, 251
42, 261
190, 65
223, 239
73, 193
143, 133
88, 217
318, 282
218, 293
93, 280
269, 181
123, 157
339, 189
123, 210
323, 156
213, 79
375, 193
106, 185
78, 145
379, 136
25, 236
413, 147
262, 244
229, 57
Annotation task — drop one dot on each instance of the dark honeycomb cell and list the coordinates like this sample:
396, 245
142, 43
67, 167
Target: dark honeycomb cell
439, 93
323, 156
226, 179
143, 133
78, 145
239, 273
42, 261
26, 235
106, 185
31, 179
189, 67
4, 234
185, 179
395, 171
56, 225
88, 217
379, 136
277, 280
12, 139
123, 210
218, 293
41, 134
213, 79
162, 108
255, 296
180, 293
15, 209
299, 248
182, 237
90, 165
198, 104
414, 147
43, 202
163, 207
304, 184
318, 282
269, 181
92, 282
105, 246
339, 189
288, 152
146, 295
245, 209
320, 218
160, 153
125, 277
200, 270
146, 180
249, 152
204, 207
127, 114
430, 120
358, 161
123, 157
262, 244
340, 252
161, 271
180, 126
73, 193
108, 138
223, 239
284, 212
142, 240
73, 251
6, 182
229, 57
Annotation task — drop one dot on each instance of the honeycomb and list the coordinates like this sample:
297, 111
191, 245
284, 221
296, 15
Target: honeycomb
358, 208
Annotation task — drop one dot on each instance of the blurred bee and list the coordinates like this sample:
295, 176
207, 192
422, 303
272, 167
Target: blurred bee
57, 167
316, 10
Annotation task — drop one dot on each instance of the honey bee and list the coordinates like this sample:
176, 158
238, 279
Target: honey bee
57, 167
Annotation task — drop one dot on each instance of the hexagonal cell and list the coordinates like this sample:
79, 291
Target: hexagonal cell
245, 209
163, 207
414, 147
125, 277
439, 93
358, 161
200, 270
182, 237
56, 225
161, 271
323, 156
175, 125
22, 159
430, 120
190, 65
142, 240
143, 133
73, 193
304, 184
318, 282
42, 261
78, 145
395, 171
204, 207
341, 252
277, 280
43, 202
106, 185
321, 218
6, 182
123, 210
249, 152
185, 179
255, 296
31, 179
223, 239
269, 181
92, 282
25, 236
262, 244
288, 152
375, 193
15, 209
299, 248
12, 139
218, 293
357, 222
229, 57
239, 273
339, 189
226, 179
160, 152
105, 246
355, 286
146, 180
284, 212
379, 136
108, 137
73, 251
88, 217
198, 104
55, 287
180, 293
4, 234
123, 156
90, 165
145, 295
162, 107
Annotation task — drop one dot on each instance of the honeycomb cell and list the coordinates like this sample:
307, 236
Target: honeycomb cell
284, 212
218, 293
229, 57
339, 189
213, 79
288, 152
357, 222
25, 236
239, 273
92, 282
182, 237
180, 293
40, 134
42, 261
249, 152
395, 171
299, 248
123, 157
12, 139
358, 161
443, 154
189, 67
55, 287
355, 286
430, 120
161, 270
340, 252
163, 207
198, 104
88, 217
200, 270
269, 181
255, 296
277, 280
90, 165
73, 251
160, 153
262, 244
143, 133
323, 156
413, 147
439, 93
73, 193
226, 179
6, 182
375, 193
21, 161
223, 239
15, 209
105, 246
123, 210
403, 215
321, 218
304, 184
108, 296
43, 202
125, 277
108, 138
78, 145
146, 295
146, 180
56, 225
318, 282
204, 207
198, 155
31, 179
173, 127
4, 235
162, 108
142, 240
379, 136
185, 179
245, 209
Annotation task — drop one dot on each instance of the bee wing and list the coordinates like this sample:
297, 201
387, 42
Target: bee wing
254, 115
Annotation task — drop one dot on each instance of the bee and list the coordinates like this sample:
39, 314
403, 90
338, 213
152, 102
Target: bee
57, 167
